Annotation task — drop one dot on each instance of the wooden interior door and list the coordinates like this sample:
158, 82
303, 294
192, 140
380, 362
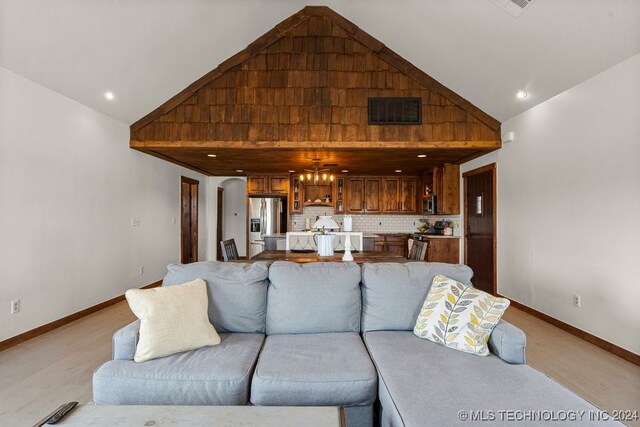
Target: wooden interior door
480, 226
188, 220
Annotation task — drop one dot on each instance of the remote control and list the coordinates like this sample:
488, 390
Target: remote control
60, 413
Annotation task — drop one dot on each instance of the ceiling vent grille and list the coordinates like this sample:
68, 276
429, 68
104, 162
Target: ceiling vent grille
395, 111
514, 8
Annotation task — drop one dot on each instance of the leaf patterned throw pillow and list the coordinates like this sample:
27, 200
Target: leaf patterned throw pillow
459, 316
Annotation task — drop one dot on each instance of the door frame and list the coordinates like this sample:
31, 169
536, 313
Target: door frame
193, 237
219, 224
490, 167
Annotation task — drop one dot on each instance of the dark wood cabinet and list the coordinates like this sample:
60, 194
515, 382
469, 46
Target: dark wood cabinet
355, 195
267, 184
394, 243
446, 188
443, 250
257, 185
399, 195
390, 195
372, 202
363, 195
408, 195
278, 185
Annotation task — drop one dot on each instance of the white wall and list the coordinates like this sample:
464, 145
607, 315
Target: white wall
569, 206
234, 222
69, 186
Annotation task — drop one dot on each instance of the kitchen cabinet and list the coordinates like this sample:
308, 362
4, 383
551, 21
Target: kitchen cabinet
391, 195
364, 195
443, 250
394, 243
447, 183
339, 195
278, 184
267, 185
408, 195
296, 197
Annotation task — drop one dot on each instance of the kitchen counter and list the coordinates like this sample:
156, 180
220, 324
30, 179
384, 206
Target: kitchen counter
365, 235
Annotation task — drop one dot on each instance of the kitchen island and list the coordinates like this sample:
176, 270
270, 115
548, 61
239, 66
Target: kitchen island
277, 241
306, 257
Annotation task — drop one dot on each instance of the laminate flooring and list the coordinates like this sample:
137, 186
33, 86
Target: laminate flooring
42, 373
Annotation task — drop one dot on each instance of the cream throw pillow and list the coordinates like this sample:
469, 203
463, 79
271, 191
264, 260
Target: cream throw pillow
458, 316
172, 319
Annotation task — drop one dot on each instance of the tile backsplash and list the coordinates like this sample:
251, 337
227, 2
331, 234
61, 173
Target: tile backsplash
370, 223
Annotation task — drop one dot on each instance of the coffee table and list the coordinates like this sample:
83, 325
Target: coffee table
228, 416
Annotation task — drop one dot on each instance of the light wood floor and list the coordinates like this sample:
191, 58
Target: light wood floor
40, 374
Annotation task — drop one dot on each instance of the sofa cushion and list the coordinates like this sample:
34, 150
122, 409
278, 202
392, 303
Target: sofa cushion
237, 292
314, 369
172, 319
313, 298
418, 379
393, 293
459, 317
217, 375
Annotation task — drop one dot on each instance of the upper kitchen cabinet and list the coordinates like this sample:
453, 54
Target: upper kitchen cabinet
446, 188
296, 197
364, 195
408, 195
399, 195
267, 185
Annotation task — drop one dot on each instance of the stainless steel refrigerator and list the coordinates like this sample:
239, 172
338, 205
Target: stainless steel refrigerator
267, 215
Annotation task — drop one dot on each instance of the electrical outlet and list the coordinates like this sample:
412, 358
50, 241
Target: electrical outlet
15, 306
141, 270
135, 222
173, 220
577, 301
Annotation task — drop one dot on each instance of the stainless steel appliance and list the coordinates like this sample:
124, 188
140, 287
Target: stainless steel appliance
267, 215
429, 206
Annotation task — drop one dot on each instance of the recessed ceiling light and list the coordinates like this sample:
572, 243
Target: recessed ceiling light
291, 171
398, 170
109, 96
345, 170
522, 94
212, 155
422, 156
239, 170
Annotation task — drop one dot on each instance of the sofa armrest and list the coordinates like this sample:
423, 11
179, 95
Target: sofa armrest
124, 342
508, 343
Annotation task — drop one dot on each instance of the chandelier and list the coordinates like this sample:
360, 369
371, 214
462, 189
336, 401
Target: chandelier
316, 176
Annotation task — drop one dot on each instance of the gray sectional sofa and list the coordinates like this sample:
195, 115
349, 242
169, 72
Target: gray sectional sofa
334, 334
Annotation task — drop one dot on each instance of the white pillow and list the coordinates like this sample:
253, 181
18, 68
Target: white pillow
459, 316
172, 319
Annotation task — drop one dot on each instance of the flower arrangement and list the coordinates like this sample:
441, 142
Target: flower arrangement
449, 224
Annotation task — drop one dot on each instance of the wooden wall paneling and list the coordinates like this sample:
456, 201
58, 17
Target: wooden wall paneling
305, 81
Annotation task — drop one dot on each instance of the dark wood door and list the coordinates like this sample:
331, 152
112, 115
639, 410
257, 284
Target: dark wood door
480, 222
189, 220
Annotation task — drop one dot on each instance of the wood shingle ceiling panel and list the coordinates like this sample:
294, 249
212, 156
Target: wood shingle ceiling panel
303, 87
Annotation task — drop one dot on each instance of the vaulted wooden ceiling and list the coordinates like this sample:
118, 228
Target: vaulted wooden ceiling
300, 92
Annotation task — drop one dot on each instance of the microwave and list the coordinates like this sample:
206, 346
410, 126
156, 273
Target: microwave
429, 206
